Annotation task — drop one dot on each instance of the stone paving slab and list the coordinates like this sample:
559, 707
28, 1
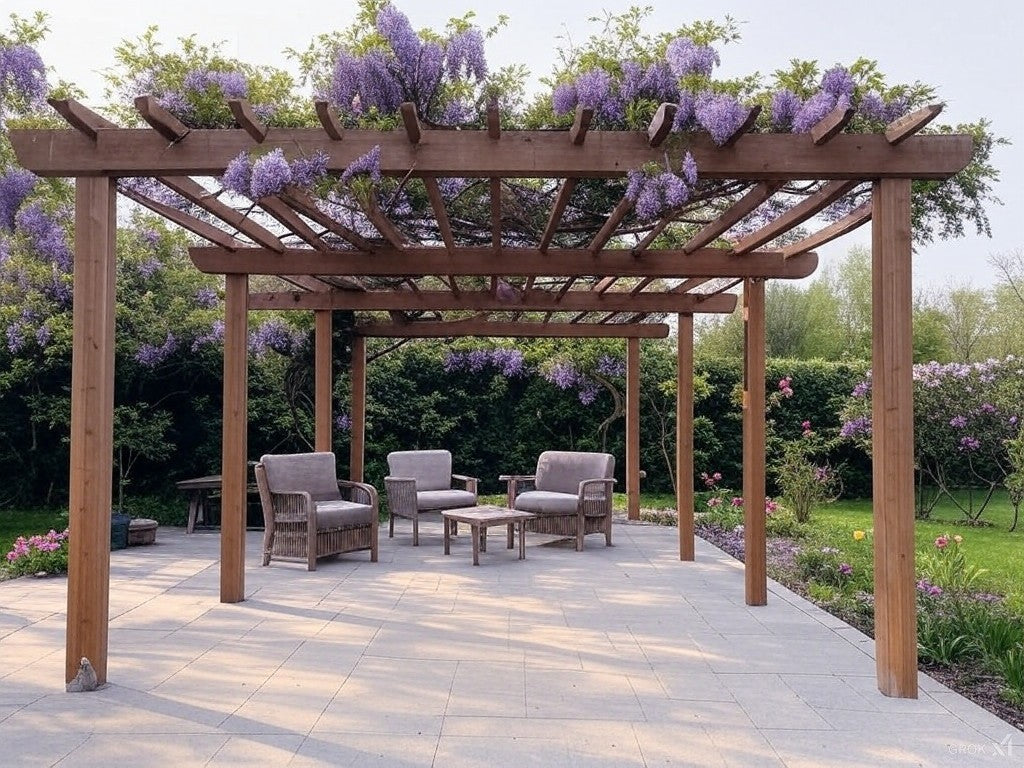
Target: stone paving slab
619, 656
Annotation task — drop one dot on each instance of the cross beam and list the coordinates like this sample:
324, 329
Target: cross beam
517, 154
484, 301
526, 262
522, 330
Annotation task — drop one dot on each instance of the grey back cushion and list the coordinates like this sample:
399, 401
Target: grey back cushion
431, 469
293, 472
563, 471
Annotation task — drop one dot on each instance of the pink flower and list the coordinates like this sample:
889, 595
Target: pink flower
714, 501
806, 425
845, 569
737, 501
942, 542
770, 506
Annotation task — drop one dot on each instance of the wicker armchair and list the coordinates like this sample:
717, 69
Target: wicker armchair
421, 481
304, 511
572, 494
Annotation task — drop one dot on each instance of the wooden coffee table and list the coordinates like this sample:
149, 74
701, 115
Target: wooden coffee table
479, 518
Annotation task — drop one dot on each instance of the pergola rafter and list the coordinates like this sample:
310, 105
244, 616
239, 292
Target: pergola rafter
520, 278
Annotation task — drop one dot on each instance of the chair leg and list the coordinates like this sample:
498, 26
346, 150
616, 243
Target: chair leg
391, 524
416, 531
374, 539
268, 543
608, 531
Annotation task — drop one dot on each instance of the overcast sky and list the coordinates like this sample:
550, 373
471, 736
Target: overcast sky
970, 53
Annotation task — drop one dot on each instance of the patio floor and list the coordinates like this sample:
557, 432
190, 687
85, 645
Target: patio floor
618, 656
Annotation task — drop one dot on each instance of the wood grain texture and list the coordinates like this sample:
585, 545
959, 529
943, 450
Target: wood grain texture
234, 440
892, 440
755, 543
357, 435
422, 329
633, 428
323, 381
684, 434
92, 427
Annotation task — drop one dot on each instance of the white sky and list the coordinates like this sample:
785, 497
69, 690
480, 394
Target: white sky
969, 52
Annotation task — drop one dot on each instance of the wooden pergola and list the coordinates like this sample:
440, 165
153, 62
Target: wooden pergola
608, 287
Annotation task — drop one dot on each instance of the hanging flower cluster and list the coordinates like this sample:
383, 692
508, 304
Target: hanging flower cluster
22, 78
271, 173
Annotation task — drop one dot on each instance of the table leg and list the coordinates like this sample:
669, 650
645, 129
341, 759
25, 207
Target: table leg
475, 532
447, 535
522, 539
483, 538
193, 510
511, 535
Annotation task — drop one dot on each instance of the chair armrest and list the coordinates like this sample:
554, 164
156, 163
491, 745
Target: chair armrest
598, 487
293, 506
470, 482
363, 490
513, 481
401, 492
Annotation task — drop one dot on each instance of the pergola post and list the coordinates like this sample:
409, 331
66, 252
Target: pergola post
92, 426
754, 541
684, 434
633, 428
234, 449
892, 439
323, 380
358, 433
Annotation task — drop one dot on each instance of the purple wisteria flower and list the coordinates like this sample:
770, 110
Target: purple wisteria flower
365, 165
151, 355
588, 390
968, 443
15, 338
43, 335
655, 82
307, 171
958, 421
231, 84
685, 112
343, 422
465, 54
47, 238
594, 89
839, 82
564, 99
720, 115
270, 175
685, 57
610, 366
238, 174
214, 336
813, 110
511, 362
563, 375
860, 426
206, 298
149, 267
784, 109
15, 185
273, 335
22, 76
689, 169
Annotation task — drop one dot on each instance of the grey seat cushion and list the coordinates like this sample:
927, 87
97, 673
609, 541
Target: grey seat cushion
342, 514
296, 472
432, 470
547, 502
563, 471
449, 499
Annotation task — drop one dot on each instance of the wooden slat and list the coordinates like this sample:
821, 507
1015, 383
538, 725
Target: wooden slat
383, 224
444, 226
900, 130
707, 262
661, 125
307, 282
745, 126
482, 301
496, 213
234, 452
796, 215
323, 385
92, 427
615, 218
580, 125
603, 284
493, 120
519, 154
557, 211
191, 223
357, 431
82, 119
565, 287
689, 285
754, 541
166, 124
301, 201
196, 193
329, 120
732, 215
684, 435
247, 119
411, 122
892, 439
608, 317
831, 124
651, 236
633, 429
280, 210
856, 218
493, 329
639, 287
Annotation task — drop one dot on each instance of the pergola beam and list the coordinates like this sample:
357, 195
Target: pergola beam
522, 330
519, 154
484, 301
523, 262
732, 215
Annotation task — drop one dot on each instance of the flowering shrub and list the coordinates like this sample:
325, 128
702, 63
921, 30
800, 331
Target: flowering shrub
945, 566
44, 553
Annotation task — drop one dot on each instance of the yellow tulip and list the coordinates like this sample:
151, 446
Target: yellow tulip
858, 535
